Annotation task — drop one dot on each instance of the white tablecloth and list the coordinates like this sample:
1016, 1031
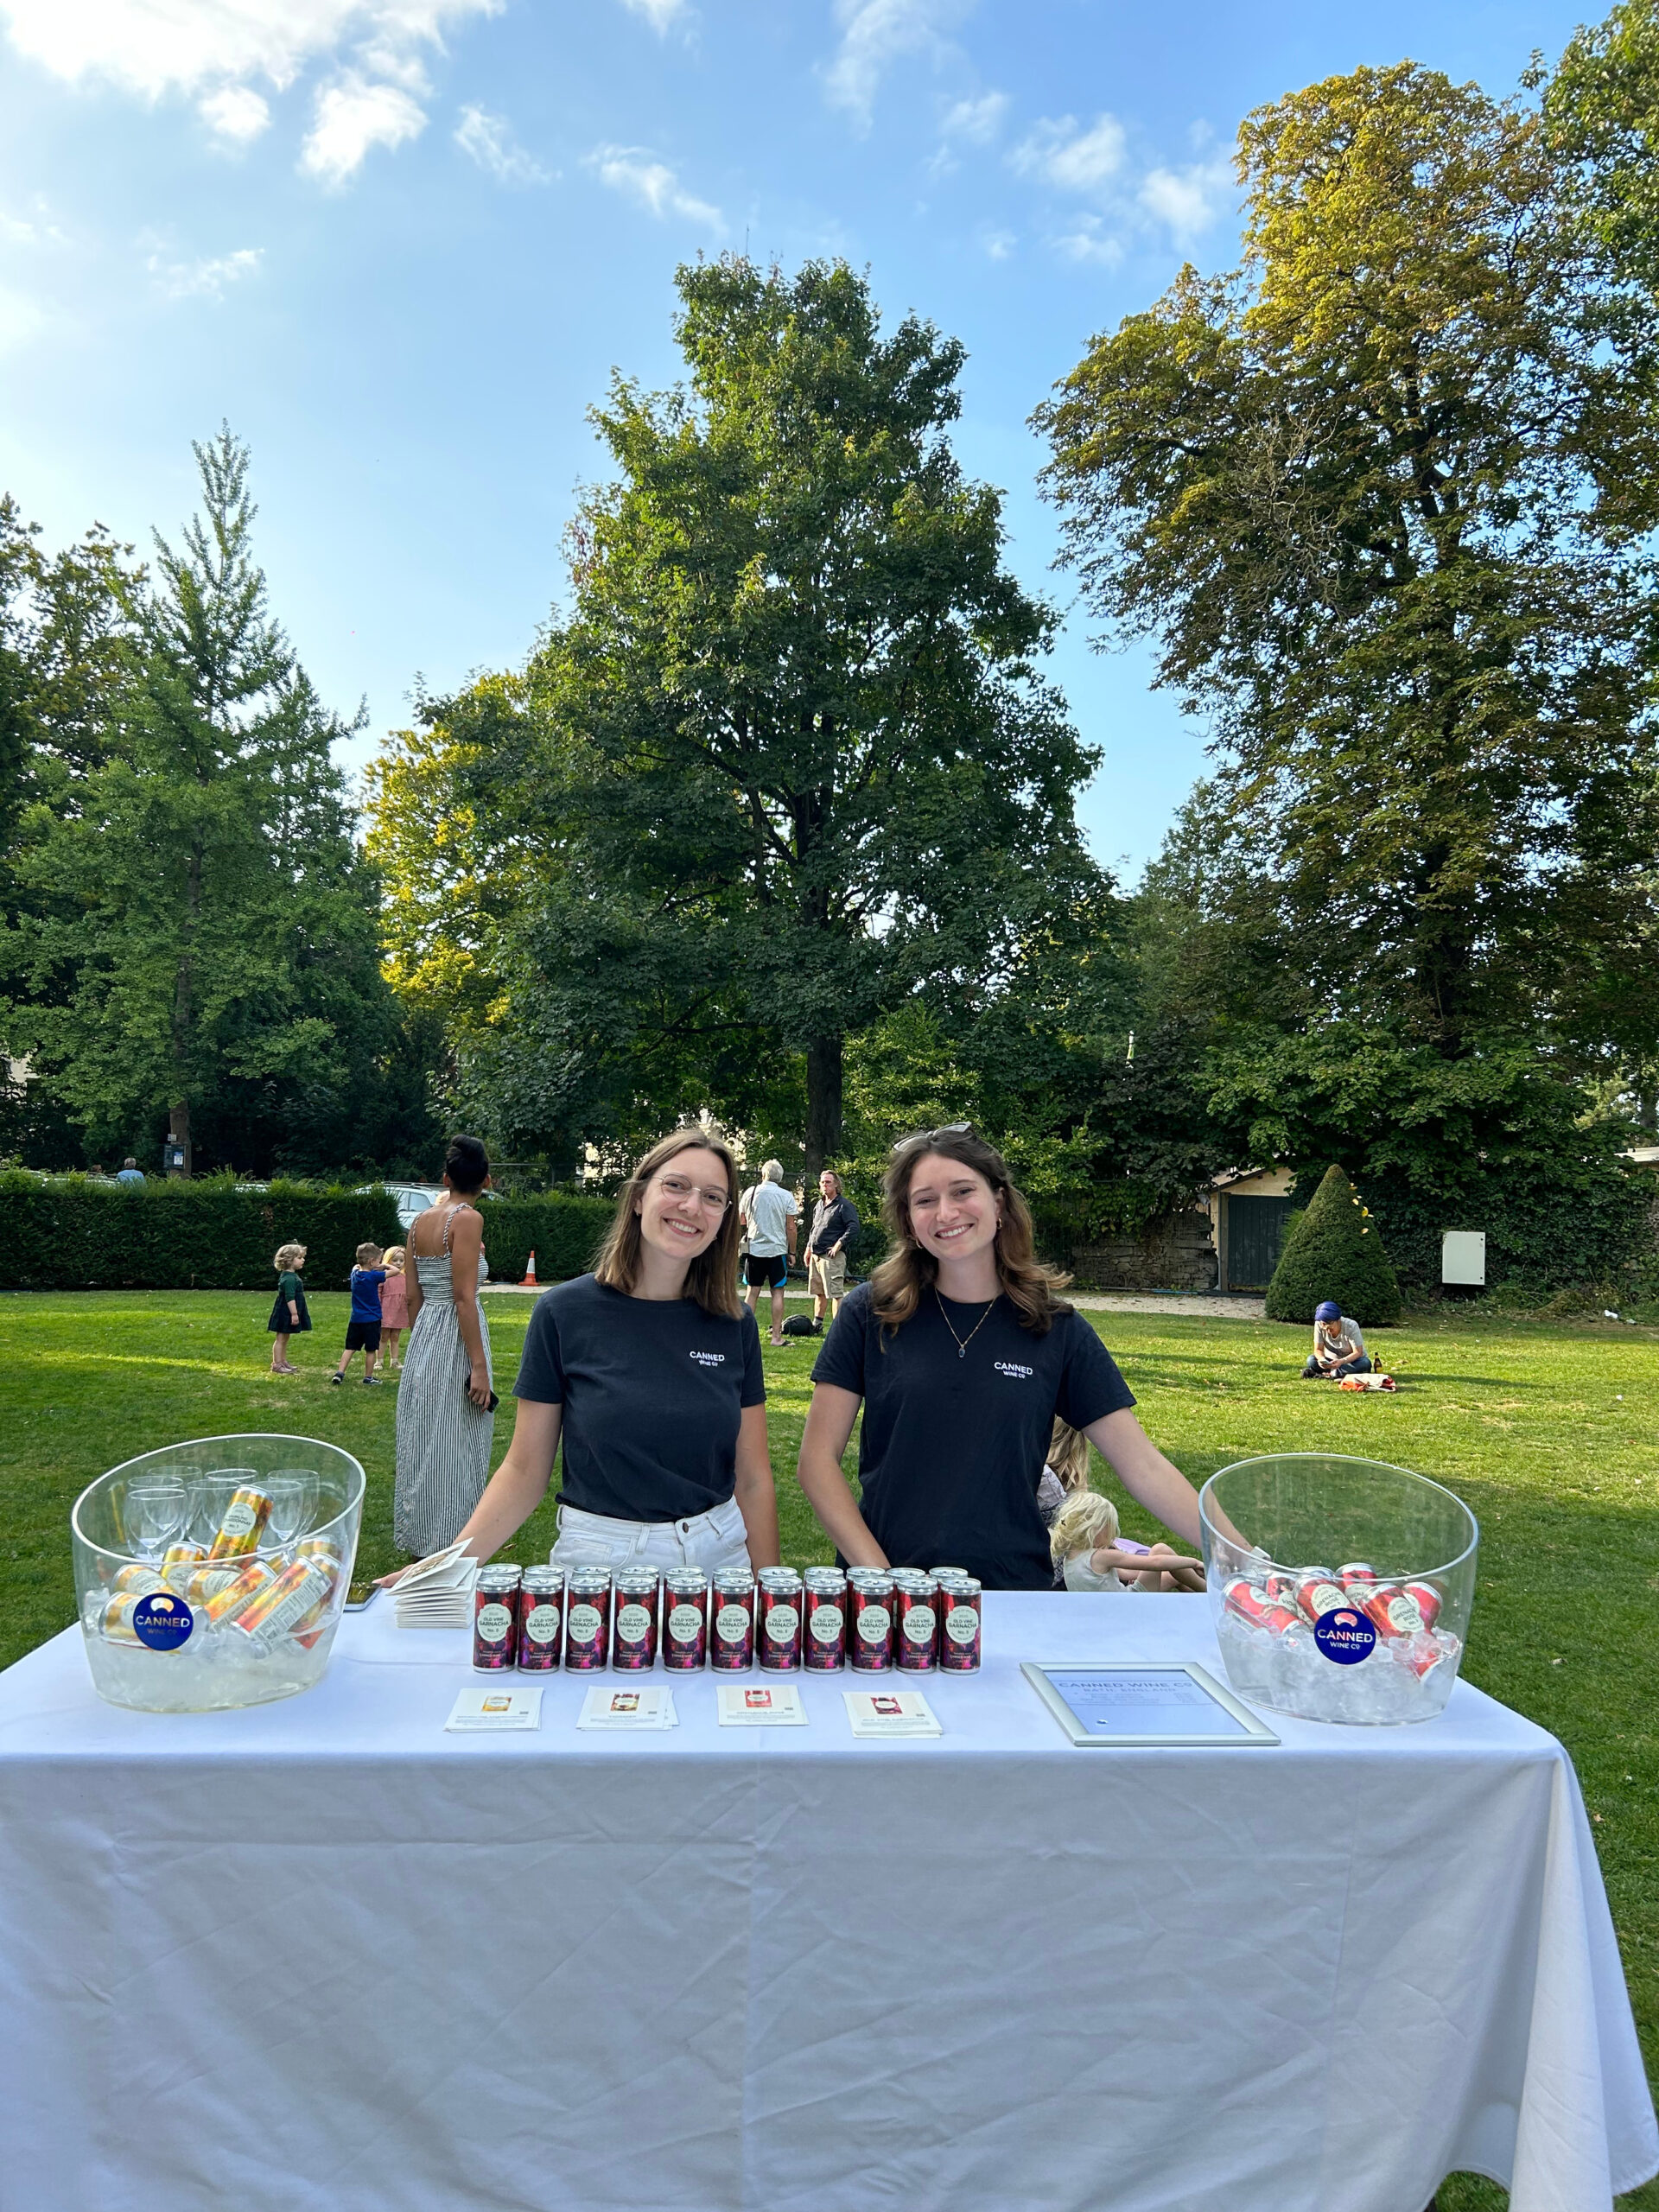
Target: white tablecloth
320, 1954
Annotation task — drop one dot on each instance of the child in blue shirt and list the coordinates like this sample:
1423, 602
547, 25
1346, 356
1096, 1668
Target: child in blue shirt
363, 1331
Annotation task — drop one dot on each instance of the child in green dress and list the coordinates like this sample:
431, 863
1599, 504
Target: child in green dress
289, 1313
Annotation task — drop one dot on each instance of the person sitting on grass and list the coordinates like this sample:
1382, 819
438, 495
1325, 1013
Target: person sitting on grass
289, 1313
1338, 1348
1092, 1555
363, 1331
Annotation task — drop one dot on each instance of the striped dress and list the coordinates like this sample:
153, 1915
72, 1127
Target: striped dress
443, 1440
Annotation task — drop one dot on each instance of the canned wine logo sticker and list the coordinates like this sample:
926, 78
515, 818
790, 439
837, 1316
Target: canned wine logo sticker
161, 1621
1345, 1636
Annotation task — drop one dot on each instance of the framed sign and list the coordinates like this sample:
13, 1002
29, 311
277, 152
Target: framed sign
1128, 1701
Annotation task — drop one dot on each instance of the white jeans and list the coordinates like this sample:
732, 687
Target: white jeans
710, 1541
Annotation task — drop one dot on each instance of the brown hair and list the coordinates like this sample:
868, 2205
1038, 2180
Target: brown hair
711, 1278
1030, 1285
1068, 1454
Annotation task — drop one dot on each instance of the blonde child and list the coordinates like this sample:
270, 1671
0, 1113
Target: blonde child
1090, 1554
394, 1302
363, 1331
289, 1311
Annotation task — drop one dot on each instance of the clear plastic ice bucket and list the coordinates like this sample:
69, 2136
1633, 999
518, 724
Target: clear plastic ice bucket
168, 1632
1300, 1630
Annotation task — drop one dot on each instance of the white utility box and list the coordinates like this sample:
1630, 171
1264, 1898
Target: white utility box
1463, 1256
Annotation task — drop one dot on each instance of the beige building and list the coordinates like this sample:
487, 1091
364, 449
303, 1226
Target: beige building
1248, 1209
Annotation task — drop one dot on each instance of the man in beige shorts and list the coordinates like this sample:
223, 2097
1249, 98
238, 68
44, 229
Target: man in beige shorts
835, 1224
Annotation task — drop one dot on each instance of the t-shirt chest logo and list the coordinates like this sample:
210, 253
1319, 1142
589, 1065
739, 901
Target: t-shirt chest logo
708, 1358
1014, 1368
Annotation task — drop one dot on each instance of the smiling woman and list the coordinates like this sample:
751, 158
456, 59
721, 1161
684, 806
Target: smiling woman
648, 1373
964, 1352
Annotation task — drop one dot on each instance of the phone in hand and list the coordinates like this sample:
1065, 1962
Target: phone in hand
361, 1594
467, 1393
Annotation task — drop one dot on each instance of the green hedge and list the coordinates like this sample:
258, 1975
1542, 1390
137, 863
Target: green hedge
68, 1233
563, 1230
71, 1234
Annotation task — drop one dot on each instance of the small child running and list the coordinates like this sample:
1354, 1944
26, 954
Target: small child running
394, 1303
363, 1331
289, 1313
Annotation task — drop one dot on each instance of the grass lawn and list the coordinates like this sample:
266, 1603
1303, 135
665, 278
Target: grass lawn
1550, 1430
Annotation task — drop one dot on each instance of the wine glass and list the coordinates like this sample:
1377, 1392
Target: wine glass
209, 1499
293, 1494
154, 1512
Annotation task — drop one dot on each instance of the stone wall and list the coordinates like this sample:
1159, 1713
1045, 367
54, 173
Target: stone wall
1177, 1253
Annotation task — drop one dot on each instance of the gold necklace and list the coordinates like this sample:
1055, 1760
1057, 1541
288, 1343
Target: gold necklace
962, 1342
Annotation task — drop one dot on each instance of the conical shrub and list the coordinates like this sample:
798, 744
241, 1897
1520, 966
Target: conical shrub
1334, 1251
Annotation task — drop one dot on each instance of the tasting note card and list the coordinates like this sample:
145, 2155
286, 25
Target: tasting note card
761, 1705
486, 1707
609, 1706
890, 1713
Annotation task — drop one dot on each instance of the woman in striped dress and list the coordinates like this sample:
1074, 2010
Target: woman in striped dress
445, 1425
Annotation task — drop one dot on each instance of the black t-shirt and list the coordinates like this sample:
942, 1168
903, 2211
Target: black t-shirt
652, 1390
954, 1446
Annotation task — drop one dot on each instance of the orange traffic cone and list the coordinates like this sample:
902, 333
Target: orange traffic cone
529, 1283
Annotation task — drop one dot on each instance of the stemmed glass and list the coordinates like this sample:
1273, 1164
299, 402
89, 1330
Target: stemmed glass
209, 1499
154, 1512
293, 1494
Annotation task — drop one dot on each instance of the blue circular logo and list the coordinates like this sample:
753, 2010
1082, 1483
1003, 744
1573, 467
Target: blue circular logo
162, 1621
1345, 1636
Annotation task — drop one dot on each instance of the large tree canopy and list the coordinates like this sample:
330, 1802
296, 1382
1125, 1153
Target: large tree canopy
788, 760
1375, 493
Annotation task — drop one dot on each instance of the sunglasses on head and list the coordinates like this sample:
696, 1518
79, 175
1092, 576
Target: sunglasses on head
932, 1137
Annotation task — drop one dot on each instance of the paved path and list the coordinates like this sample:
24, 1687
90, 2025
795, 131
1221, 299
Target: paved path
1213, 1308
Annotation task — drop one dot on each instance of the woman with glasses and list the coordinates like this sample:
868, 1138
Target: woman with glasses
648, 1373
963, 1353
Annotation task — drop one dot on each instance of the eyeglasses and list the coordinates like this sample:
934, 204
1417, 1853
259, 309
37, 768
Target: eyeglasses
932, 1137
677, 1188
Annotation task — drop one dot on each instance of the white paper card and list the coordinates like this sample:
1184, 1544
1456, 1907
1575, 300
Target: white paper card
760, 1705
614, 1705
890, 1713
485, 1706
437, 1590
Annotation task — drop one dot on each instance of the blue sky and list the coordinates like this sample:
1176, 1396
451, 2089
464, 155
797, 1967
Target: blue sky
401, 246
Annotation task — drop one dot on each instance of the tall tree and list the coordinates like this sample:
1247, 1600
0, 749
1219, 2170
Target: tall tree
792, 746
1372, 493
198, 932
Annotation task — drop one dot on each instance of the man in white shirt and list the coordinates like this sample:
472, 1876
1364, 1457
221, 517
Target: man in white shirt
773, 1215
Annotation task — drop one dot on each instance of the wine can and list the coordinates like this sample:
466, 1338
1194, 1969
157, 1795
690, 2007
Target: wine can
495, 1619
731, 1628
823, 1645
917, 1610
685, 1619
870, 1646
242, 1526
541, 1619
587, 1620
778, 1625
960, 1625
633, 1619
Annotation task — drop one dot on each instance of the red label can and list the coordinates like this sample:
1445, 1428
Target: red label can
495, 1619
1356, 1571
1253, 1604
778, 1628
1316, 1593
917, 1644
824, 1645
1390, 1611
633, 1621
959, 1625
685, 1619
587, 1620
869, 1647
541, 1619
731, 1629
1429, 1601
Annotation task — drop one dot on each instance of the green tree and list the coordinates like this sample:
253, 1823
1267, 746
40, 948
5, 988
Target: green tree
789, 759
1371, 492
1335, 1251
197, 936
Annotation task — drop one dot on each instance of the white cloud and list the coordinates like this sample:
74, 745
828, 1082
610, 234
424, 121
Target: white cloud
1091, 241
352, 116
235, 113
998, 245
633, 171
975, 121
1186, 201
157, 46
659, 14
1076, 160
874, 34
203, 279
489, 140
